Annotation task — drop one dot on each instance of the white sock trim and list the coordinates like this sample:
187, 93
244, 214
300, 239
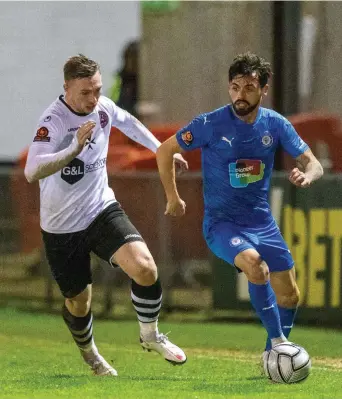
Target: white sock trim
146, 301
147, 328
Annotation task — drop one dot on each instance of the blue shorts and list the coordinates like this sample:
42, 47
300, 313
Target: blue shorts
226, 240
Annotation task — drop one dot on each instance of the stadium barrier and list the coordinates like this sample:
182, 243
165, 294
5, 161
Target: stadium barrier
176, 244
310, 220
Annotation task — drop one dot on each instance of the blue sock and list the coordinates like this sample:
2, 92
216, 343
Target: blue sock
287, 317
264, 302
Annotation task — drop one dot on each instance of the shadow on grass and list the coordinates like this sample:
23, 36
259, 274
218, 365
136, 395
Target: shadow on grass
256, 378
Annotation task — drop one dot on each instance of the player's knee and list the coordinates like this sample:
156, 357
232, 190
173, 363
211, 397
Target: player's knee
146, 270
290, 299
78, 307
80, 304
257, 271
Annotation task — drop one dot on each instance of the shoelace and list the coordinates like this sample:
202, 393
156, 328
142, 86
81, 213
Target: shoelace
163, 338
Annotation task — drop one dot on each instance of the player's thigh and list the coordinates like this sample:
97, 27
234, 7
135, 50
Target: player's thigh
274, 250
226, 241
115, 239
69, 261
285, 287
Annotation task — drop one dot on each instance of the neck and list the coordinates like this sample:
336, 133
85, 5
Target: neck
249, 118
70, 103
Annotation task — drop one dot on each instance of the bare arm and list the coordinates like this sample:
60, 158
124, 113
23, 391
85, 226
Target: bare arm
166, 166
308, 170
42, 163
175, 205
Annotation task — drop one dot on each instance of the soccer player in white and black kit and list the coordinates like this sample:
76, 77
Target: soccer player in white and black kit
79, 213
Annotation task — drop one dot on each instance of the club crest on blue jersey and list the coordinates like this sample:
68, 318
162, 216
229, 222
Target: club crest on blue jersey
267, 139
235, 241
187, 137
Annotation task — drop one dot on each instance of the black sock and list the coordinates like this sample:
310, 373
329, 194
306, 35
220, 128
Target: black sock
147, 301
81, 328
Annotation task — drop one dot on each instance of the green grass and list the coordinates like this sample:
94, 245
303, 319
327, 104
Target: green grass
39, 360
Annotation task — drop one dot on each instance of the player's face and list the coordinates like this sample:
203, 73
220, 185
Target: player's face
83, 94
246, 93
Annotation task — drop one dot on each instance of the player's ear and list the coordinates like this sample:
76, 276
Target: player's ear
265, 90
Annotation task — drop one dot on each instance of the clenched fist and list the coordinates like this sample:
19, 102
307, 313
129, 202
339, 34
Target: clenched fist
175, 207
299, 178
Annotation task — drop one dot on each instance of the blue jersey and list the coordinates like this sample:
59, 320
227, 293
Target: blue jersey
237, 161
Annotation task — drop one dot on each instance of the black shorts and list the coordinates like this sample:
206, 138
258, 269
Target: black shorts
68, 254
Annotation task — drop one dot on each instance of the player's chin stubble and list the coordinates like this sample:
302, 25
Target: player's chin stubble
246, 111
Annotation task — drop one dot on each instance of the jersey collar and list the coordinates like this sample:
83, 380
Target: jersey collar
61, 98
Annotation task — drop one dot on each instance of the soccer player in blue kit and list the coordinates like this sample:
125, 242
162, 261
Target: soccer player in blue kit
238, 142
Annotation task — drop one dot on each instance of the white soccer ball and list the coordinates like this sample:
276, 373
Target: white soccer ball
287, 363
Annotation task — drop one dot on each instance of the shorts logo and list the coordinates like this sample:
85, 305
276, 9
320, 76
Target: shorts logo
267, 139
73, 172
132, 236
187, 137
42, 135
103, 119
245, 171
235, 241
47, 119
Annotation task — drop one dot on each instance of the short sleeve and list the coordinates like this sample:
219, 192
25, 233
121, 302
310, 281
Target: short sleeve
290, 140
196, 134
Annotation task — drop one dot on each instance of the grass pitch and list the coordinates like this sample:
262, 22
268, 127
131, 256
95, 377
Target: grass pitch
38, 359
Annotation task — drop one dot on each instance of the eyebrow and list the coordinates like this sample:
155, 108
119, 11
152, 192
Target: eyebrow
89, 90
247, 85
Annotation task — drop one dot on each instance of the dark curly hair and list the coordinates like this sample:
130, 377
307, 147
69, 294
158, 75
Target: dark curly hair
247, 63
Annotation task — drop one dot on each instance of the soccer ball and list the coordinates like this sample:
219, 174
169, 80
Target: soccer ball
287, 363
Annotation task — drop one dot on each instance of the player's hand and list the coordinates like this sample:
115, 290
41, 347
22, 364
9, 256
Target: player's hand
180, 163
175, 207
299, 178
84, 133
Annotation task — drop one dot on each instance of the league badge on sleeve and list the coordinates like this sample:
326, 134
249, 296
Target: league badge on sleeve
187, 137
42, 135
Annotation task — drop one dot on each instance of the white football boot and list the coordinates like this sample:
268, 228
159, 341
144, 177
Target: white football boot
160, 343
262, 362
98, 364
